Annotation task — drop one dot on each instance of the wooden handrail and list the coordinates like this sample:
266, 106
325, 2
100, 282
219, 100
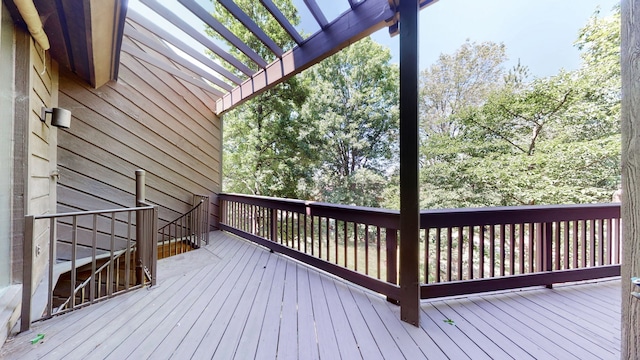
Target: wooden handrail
457, 245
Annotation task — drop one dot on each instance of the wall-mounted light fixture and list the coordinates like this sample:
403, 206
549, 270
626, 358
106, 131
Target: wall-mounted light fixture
59, 117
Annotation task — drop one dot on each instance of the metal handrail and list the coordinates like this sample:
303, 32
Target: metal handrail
99, 270
146, 225
190, 227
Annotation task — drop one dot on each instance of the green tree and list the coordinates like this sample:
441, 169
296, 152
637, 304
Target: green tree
548, 141
354, 101
459, 80
268, 147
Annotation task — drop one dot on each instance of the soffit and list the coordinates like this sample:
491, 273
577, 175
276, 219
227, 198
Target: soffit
85, 35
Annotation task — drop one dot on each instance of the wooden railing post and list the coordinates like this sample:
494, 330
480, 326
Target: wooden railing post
140, 230
27, 272
153, 242
392, 260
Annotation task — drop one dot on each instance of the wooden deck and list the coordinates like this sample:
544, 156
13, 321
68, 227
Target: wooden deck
235, 300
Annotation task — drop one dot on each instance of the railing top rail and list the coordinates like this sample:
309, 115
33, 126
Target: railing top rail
92, 212
194, 208
437, 217
517, 214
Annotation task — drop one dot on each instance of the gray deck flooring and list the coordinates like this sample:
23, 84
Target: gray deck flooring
235, 300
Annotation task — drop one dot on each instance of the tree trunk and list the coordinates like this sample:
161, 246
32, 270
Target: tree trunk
630, 127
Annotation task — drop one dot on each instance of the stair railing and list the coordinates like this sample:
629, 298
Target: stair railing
188, 231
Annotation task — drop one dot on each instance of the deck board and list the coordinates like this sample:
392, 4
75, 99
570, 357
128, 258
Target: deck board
235, 300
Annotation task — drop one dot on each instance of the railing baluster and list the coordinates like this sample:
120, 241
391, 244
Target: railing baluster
492, 251
532, 247
567, 227
378, 250
481, 256
344, 242
592, 242
470, 261
74, 244
503, 256
601, 242
449, 253
52, 260
460, 251
426, 256
355, 246
512, 249
112, 246
437, 255
366, 249
583, 241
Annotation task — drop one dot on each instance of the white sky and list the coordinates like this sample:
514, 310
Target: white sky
538, 32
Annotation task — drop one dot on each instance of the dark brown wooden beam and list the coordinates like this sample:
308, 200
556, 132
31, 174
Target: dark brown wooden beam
348, 28
409, 167
317, 13
284, 22
218, 27
251, 26
197, 35
131, 50
179, 44
134, 34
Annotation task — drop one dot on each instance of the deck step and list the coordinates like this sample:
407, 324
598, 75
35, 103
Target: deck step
10, 299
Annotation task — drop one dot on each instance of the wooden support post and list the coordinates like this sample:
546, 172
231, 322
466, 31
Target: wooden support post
409, 167
27, 273
630, 210
141, 246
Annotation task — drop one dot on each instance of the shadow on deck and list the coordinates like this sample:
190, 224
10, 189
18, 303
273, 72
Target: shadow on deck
235, 300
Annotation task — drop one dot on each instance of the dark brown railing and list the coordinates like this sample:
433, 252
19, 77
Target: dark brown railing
356, 243
475, 250
105, 277
187, 232
462, 250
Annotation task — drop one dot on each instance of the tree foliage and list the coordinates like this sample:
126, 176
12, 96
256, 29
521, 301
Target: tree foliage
547, 141
353, 100
268, 149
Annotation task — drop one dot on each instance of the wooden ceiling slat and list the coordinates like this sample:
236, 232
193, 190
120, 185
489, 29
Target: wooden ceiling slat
196, 35
317, 13
366, 18
166, 36
251, 26
129, 49
171, 55
284, 22
218, 27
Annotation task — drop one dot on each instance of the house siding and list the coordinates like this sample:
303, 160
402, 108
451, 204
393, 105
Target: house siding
146, 120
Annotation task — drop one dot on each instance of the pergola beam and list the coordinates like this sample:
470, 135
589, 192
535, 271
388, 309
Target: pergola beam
218, 27
251, 26
196, 35
179, 44
350, 27
284, 22
317, 13
155, 45
143, 56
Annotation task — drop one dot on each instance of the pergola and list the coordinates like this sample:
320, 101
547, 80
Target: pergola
72, 34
